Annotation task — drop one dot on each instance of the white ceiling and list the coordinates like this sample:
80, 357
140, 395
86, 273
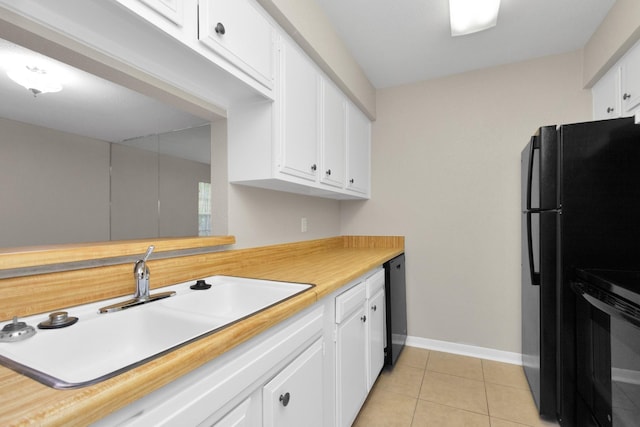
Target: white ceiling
404, 41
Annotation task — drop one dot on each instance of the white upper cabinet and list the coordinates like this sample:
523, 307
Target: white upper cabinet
296, 126
630, 80
359, 151
606, 96
617, 93
239, 31
333, 137
310, 140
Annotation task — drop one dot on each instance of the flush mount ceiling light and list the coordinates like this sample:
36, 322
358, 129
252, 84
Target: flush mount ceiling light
470, 16
34, 79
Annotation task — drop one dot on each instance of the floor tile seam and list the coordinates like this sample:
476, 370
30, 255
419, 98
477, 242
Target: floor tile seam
455, 407
454, 375
510, 421
507, 385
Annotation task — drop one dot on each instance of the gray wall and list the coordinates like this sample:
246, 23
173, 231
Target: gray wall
50, 203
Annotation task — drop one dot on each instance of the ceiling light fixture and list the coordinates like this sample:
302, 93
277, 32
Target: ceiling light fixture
470, 16
34, 79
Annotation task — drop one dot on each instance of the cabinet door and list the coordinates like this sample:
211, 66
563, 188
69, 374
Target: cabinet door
246, 414
294, 397
376, 321
630, 80
297, 122
351, 369
606, 96
358, 150
172, 10
333, 141
239, 32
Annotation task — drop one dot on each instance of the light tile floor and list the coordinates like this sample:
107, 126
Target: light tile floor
430, 388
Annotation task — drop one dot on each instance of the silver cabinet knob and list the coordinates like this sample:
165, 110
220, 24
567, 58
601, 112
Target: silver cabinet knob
626, 96
374, 307
220, 29
610, 110
314, 167
328, 172
352, 180
363, 318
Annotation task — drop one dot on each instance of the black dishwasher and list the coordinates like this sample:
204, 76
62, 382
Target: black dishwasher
396, 307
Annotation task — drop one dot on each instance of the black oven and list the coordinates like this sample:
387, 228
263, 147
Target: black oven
607, 348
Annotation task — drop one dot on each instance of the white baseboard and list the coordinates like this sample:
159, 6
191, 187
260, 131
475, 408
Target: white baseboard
466, 350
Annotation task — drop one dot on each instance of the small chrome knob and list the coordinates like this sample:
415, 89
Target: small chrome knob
314, 167
626, 96
328, 172
220, 29
374, 307
610, 110
352, 180
363, 318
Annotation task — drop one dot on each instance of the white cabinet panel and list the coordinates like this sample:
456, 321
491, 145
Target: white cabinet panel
239, 32
294, 397
606, 99
297, 123
350, 367
246, 414
358, 150
376, 321
351, 354
333, 139
630, 80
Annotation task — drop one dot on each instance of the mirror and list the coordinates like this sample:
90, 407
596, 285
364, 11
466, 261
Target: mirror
96, 161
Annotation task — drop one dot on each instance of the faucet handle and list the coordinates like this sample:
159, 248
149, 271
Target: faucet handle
149, 250
140, 269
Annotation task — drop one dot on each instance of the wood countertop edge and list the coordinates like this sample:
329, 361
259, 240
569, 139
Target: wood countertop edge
85, 405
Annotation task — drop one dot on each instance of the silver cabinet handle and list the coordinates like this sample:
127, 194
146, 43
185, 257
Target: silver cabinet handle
314, 167
374, 307
610, 110
220, 29
328, 172
363, 318
352, 180
284, 398
626, 96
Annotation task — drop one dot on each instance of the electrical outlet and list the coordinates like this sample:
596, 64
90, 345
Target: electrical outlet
303, 224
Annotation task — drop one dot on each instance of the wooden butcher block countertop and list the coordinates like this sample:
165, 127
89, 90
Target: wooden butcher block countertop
327, 263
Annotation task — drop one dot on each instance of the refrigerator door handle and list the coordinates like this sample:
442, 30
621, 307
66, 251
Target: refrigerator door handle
535, 277
534, 145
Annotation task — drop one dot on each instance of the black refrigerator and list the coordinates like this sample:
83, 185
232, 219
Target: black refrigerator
580, 209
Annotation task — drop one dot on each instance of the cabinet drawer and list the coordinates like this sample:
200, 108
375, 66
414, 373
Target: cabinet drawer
349, 301
375, 282
237, 31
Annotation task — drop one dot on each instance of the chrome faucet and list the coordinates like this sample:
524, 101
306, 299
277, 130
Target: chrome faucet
141, 274
142, 294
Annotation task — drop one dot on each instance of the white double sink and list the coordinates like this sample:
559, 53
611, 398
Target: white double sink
100, 346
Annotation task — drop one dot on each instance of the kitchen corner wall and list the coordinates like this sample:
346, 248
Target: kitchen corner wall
446, 174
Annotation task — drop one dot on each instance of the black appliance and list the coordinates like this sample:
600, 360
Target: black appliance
608, 345
396, 308
580, 208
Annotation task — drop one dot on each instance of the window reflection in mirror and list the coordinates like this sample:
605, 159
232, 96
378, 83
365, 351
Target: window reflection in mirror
96, 162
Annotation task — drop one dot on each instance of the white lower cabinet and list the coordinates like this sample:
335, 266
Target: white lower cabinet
351, 354
294, 397
376, 325
360, 331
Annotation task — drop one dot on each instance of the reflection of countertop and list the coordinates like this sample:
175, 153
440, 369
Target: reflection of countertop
25, 401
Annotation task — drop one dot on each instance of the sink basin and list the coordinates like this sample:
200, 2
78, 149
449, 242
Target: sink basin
100, 346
